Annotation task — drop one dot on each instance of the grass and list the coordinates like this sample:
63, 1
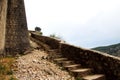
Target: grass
6, 72
78, 78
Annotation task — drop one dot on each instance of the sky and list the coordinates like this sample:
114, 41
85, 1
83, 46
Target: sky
84, 23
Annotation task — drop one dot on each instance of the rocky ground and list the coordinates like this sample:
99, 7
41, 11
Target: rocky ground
35, 66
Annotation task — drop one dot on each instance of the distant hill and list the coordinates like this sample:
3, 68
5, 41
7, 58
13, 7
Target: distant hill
112, 49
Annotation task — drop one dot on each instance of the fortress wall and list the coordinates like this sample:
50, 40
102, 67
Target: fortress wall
100, 62
17, 40
3, 10
53, 43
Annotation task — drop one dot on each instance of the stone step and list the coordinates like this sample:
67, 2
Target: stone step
68, 62
81, 72
94, 77
72, 66
59, 60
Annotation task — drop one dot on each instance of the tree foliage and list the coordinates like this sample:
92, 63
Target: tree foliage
37, 29
55, 36
112, 49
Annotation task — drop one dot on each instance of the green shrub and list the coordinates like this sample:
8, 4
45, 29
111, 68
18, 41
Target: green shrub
9, 72
12, 78
2, 69
78, 78
6, 68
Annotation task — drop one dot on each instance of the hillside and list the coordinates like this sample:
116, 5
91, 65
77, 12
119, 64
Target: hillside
112, 49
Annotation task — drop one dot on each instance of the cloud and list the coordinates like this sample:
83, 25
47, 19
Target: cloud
86, 23
102, 29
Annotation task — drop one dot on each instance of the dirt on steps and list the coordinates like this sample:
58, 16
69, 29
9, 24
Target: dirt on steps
36, 66
44, 65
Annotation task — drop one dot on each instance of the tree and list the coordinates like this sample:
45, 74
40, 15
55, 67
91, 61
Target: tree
57, 37
38, 29
54, 36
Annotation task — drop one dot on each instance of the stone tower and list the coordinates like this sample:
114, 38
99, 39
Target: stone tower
3, 12
15, 30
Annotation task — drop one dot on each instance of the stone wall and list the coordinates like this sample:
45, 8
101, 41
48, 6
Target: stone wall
53, 43
17, 40
3, 8
100, 62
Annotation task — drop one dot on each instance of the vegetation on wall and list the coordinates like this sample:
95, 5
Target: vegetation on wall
38, 30
57, 37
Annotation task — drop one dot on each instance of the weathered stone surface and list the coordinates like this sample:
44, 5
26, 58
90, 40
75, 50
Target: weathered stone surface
53, 43
101, 63
13, 27
17, 34
3, 12
33, 67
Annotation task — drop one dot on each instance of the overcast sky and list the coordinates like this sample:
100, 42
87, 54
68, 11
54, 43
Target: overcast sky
84, 23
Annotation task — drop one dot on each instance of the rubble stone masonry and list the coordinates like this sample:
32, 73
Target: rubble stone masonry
13, 27
101, 63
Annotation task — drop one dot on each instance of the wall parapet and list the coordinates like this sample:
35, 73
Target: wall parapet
53, 43
101, 63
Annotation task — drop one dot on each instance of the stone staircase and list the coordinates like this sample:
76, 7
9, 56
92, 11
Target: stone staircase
95, 62
76, 70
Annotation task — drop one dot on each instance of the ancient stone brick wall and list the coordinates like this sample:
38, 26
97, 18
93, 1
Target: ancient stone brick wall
53, 43
3, 8
16, 40
101, 63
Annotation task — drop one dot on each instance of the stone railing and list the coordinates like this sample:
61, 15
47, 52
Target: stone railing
101, 63
53, 43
